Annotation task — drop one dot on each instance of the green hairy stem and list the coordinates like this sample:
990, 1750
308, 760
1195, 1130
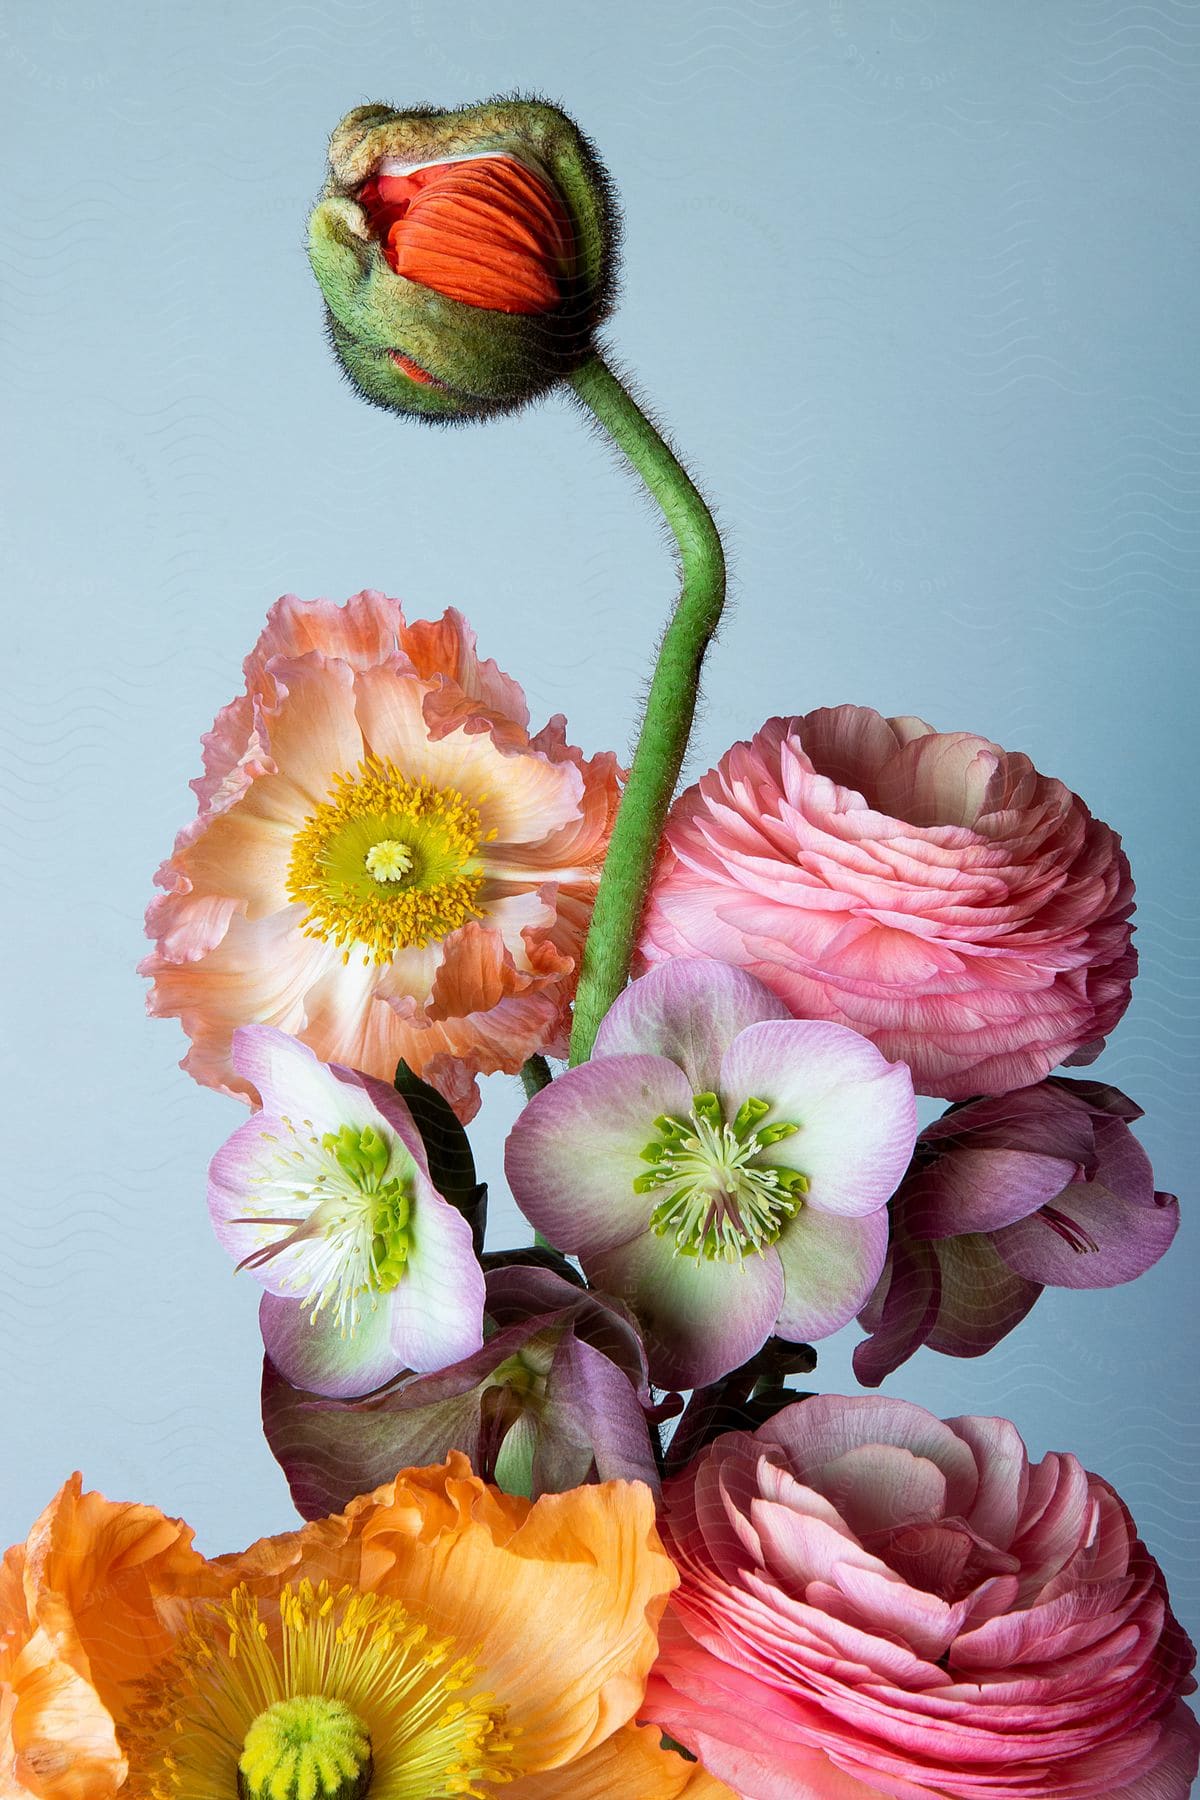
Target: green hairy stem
670, 708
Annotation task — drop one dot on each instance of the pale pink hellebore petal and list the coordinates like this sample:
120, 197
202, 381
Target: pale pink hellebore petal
589, 1166
432, 1316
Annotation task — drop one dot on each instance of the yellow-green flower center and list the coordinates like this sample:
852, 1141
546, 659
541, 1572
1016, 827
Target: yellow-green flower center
721, 1198
387, 863
342, 1206
318, 1693
305, 1748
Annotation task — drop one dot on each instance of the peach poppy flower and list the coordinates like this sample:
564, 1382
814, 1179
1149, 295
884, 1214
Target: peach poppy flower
385, 862
437, 1639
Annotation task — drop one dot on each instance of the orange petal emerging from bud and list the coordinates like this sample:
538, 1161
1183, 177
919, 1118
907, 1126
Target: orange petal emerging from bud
485, 230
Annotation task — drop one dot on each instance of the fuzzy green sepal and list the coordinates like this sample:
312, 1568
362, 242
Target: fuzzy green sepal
482, 361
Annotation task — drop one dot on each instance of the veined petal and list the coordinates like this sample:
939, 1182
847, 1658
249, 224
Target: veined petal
830, 1265
631, 1765
1096, 1233
699, 1319
315, 1353
856, 1111
436, 1309
312, 730
587, 1566
688, 1011
573, 1155
521, 796
290, 1078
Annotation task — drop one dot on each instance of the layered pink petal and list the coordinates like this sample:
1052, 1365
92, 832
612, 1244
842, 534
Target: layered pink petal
874, 1602
927, 889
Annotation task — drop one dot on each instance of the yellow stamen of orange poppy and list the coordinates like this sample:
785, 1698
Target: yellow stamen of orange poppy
315, 1694
387, 863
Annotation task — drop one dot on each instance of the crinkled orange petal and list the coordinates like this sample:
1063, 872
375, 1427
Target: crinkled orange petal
91, 1570
486, 231
562, 1597
631, 1765
60, 1742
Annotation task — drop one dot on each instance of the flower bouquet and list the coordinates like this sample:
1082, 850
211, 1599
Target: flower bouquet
571, 1528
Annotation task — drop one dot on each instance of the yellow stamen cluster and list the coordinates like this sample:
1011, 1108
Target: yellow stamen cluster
408, 1693
387, 863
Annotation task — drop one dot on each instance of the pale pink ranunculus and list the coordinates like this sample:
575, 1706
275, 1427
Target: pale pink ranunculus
926, 888
385, 863
873, 1603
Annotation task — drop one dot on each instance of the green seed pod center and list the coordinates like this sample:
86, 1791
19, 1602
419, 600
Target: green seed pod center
305, 1748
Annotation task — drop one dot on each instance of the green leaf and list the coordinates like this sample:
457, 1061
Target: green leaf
447, 1149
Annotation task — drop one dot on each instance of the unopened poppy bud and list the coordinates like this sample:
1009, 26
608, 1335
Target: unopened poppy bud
466, 257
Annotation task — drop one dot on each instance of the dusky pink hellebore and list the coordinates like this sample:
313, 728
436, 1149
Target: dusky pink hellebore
720, 1167
325, 1196
1044, 1187
557, 1396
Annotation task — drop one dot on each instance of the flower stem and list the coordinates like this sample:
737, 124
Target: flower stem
670, 708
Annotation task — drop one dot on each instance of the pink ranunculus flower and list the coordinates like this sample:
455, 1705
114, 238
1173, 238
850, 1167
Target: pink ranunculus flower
721, 1169
927, 888
873, 1603
385, 863
1044, 1187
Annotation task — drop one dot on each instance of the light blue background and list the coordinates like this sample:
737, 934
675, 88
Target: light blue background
914, 286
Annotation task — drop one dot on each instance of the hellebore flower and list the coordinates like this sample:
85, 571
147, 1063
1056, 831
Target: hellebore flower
931, 890
721, 1168
1045, 1187
384, 863
557, 1396
325, 1196
874, 1603
435, 1639
466, 257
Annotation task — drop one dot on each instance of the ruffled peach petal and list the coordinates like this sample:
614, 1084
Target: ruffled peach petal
521, 797
563, 1597
313, 733
261, 970
465, 689
363, 631
241, 862
329, 687
631, 1765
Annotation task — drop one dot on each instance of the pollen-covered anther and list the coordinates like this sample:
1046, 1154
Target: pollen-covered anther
721, 1199
386, 863
321, 1693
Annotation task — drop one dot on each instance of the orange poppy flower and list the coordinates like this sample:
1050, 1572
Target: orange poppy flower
437, 1639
